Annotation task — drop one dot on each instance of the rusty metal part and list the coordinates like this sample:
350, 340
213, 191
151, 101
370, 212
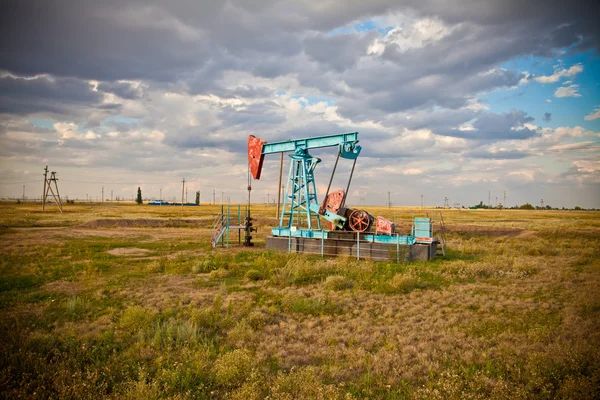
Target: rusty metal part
384, 226
333, 202
360, 221
255, 156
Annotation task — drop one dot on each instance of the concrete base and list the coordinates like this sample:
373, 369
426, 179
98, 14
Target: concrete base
347, 245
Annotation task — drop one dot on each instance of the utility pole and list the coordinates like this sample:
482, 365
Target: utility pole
389, 201
504, 204
496, 206
489, 199
182, 190
23, 193
221, 197
44, 193
446, 205
214, 199
111, 195
102, 194
48, 188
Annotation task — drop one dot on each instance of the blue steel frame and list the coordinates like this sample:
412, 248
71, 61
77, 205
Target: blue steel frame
301, 191
300, 199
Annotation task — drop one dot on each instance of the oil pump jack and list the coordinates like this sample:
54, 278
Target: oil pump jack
300, 199
302, 214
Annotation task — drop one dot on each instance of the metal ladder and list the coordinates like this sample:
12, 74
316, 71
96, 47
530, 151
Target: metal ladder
442, 238
218, 228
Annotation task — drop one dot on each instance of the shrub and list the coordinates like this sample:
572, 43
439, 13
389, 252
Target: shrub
220, 273
338, 282
304, 384
137, 318
403, 283
231, 369
253, 275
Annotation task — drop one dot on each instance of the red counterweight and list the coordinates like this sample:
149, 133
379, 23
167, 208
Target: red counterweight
384, 226
255, 156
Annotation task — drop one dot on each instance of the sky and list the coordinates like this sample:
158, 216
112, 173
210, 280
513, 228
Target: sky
462, 100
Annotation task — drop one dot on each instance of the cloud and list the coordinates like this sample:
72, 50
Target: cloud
560, 73
567, 91
43, 93
151, 86
547, 117
593, 115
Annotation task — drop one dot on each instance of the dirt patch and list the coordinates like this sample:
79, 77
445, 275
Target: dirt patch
146, 223
71, 288
128, 251
170, 291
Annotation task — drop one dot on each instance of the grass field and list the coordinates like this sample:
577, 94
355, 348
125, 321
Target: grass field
142, 307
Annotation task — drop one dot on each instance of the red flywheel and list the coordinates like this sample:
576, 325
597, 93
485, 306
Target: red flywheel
360, 221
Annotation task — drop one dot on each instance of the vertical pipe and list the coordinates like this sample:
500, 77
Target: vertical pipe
397, 248
228, 216
322, 242
239, 223
357, 245
279, 186
44, 192
289, 241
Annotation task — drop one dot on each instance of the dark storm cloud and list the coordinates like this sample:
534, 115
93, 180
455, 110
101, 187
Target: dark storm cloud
121, 89
492, 127
252, 116
547, 117
44, 94
339, 52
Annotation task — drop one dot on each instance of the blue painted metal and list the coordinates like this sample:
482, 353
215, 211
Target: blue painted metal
300, 199
321, 234
301, 192
347, 143
422, 227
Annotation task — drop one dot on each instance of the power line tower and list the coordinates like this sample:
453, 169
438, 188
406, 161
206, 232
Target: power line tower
446, 205
542, 203
389, 201
48, 188
182, 191
504, 204
489, 199
102, 194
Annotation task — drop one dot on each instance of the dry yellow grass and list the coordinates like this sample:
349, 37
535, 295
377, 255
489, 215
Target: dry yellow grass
148, 311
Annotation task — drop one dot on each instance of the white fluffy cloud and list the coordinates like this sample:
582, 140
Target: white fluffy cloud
593, 115
567, 91
560, 73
